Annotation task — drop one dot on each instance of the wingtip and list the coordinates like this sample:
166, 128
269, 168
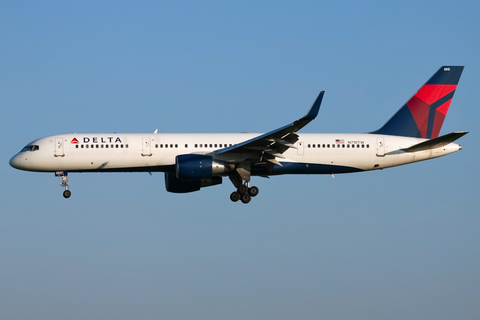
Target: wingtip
312, 113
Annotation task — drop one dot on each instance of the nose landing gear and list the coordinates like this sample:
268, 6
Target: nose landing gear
64, 175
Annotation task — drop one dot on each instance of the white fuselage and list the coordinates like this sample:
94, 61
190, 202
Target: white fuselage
314, 153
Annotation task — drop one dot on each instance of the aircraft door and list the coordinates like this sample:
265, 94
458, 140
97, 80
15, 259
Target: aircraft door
300, 146
59, 148
380, 147
146, 147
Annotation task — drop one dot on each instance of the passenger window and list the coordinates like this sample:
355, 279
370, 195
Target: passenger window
111, 146
96, 146
106, 146
126, 146
328, 146
156, 145
76, 146
82, 146
86, 146
211, 145
186, 146
333, 146
358, 146
348, 146
363, 146
176, 146
323, 145
101, 146
171, 145
121, 146
215, 145
313, 146
368, 146
230, 144
196, 145
343, 146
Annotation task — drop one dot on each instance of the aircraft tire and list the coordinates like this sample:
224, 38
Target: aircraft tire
246, 198
67, 194
235, 196
242, 189
253, 191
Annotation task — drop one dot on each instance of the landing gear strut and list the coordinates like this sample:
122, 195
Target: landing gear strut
64, 175
241, 180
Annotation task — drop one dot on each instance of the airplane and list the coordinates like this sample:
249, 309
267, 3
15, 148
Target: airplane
194, 161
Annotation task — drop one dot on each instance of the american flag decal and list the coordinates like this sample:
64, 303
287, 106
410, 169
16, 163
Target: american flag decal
339, 141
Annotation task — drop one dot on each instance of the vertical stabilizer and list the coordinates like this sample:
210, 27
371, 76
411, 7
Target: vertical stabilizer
422, 116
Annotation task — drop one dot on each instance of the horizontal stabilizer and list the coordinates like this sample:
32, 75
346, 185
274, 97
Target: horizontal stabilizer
437, 142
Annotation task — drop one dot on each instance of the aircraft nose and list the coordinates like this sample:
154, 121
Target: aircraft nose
14, 162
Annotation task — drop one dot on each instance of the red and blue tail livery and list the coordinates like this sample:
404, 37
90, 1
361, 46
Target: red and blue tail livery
422, 116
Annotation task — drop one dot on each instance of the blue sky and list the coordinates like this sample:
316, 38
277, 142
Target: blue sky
398, 243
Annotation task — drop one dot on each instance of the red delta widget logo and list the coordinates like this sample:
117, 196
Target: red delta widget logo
97, 140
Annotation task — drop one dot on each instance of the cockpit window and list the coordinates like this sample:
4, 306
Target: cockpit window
30, 148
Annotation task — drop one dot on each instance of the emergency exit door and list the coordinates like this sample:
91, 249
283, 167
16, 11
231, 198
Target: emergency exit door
59, 147
380, 147
146, 147
300, 147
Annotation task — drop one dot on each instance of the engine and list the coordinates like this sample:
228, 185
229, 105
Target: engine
194, 171
195, 167
172, 184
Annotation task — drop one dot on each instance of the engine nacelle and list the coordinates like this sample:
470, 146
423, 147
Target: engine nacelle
172, 184
196, 167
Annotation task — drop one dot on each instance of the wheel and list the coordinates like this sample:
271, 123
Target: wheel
253, 191
67, 194
246, 198
235, 196
242, 189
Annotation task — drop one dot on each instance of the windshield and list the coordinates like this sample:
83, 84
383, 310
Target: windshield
30, 148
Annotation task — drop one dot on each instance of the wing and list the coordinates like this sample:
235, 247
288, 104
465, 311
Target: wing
263, 150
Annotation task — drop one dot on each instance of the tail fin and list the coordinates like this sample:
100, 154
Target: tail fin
422, 116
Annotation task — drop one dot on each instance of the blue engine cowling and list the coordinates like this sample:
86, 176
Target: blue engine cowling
172, 184
195, 167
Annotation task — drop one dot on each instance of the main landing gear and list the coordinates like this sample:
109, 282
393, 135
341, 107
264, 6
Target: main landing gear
244, 193
67, 193
241, 180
